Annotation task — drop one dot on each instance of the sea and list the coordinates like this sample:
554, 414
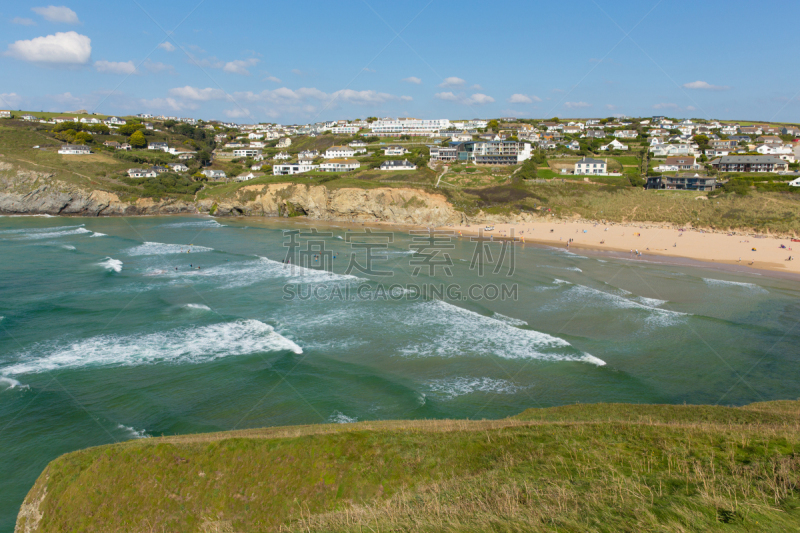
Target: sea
114, 329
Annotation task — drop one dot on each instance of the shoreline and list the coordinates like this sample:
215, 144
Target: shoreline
656, 242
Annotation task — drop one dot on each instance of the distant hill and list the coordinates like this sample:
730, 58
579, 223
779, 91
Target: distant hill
577, 468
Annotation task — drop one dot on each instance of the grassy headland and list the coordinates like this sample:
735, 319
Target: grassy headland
580, 468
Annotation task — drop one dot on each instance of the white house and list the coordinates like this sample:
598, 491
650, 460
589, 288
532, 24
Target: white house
114, 121
246, 152
186, 156
214, 174
90, 120
283, 156
795, 182
614, 145
5, 113
338, 152
626, 134
74, 149
289, 169
574, 145
178, 167
247, 176
286, 142
344, 130
164, 147
358, 144
664, 150
339, 165
398, 165
309, 154
255, 136
142, 173
395, 150
785, 152
587, 165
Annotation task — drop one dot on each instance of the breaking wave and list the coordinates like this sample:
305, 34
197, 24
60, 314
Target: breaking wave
340, 418
189, 345
112, 265
711, 282
160, 248
136, 434
451, 388
509, 320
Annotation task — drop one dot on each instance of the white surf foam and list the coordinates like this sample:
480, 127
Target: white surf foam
734, 284
67, 247
340, 418
509, 320
650, 302
197, 307
561, 282
136, 434
588, 296
190, 345
451, 388
46, 233
160, 248
194, 224
97, 234
451, 331
574, 269
112, 265
7, 383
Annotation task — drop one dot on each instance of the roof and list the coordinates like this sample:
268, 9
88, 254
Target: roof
397, 163
750, 159
679, 159
591, 161
342, 161
340, 148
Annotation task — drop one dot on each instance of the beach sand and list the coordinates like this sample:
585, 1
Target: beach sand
654, 239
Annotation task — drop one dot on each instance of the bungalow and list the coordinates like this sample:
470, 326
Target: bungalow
90, 120
60, 120
141, 173
114, 121
786, 130
214, 174
571, 130
626, 134
283, 156
339, 165
751, 130
309, 154
739, 138
591, 166
159, 169
614, 145
718, 152
749, 163
688, 182
186, 156
594, 134
394, 150
398, 165
246, 152
286, 142
178, 167
258, 144
338, 152
164, 147
769, 139
292, 168
358, 144
247, 176
574, 145
112, 144
255, 136
666, 150
658, 132
29, 118
5, 113
257, 166
74, 149
681, 163
148, 126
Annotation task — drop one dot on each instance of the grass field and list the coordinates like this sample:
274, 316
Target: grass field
578, 468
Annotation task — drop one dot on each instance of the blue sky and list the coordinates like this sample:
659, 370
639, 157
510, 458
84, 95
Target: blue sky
297, 62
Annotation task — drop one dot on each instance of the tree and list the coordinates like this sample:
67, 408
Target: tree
169, 123
137, 139
83, 138
702, 142
128, 129
493, 125
100, 129
203, 157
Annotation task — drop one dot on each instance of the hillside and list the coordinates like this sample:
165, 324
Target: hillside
572, 468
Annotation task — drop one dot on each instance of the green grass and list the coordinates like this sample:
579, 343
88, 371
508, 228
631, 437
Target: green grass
577, 468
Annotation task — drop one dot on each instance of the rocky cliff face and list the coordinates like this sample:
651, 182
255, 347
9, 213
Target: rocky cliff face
27, 193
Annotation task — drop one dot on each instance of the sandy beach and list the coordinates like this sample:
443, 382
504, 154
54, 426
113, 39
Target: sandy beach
757, 252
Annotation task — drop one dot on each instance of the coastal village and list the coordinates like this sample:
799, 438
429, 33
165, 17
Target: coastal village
653, 153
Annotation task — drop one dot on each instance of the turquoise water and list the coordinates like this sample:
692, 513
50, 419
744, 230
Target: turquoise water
103, 340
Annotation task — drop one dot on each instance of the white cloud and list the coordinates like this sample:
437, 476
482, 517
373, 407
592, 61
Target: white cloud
479, 99
475, 99
664, 105
576, 105
447, 96
406, 98
199, 95
298, 72
237, 113
476, 87
367, 69
273, 79
452, 81
156, 67
9, 100
691, 108
67, 48
523, 99
705, 86
240, 66
168, 46
166, 103
114, 67
57, 14
611, 107
412, 79
363, 97
23, 21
